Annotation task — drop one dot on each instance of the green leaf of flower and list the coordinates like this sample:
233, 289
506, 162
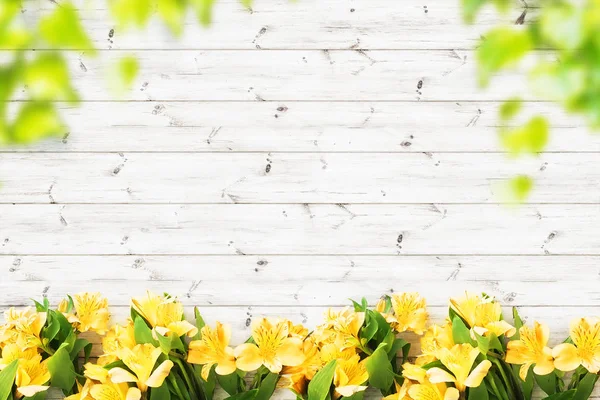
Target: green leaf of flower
320, 385
379, 367
61, 370
63, 29
7, 378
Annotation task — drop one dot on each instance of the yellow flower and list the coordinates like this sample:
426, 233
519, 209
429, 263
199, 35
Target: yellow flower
311, 364
401, 391
32, 372
165, 314
273, 349
483, 315
350, 375
213, 349
432, 392
96, 372
585, 350
344, 324
118, 337
410, 312
531, 348
459, 360
24, 327
83, 392
115, 391
414, 372
435, 338
141, 360
91, 313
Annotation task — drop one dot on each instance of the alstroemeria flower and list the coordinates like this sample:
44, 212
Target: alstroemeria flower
96, 372
341, 325
118, 337
435, 338
585, 350
91, 313
459, 360
24, 327
410, 313
531, 349
141, 360
272, 347
432, 392
213, 348
350, 376
83, 391
115, 391
483, 315
165, 314
32, 372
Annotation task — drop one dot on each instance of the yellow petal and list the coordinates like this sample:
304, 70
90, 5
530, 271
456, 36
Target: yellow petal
199, 353
206, 371
423, 392
290, 352
158, 376
181, 328
226, 367
438, 375
476, 376
516, 352
544, 366
452, 394
348, 391
120, 375
29, 391
248, 357
565, 357
133, 394
104, 392
524, 370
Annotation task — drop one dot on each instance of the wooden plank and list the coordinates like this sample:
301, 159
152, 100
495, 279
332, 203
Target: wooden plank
302, 126
272, 268
299, 229
291, 178
307, 24
309, 75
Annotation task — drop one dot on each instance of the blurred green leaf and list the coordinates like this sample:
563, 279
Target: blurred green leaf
173, 13
501, 47
35, 121
561, 25
128, 70
203, 10
47, 78
529, 138
63, 29
471, 7
519, 189
127, 12
509, 109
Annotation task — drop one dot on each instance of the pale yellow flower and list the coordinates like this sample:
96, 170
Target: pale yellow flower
83, 391
459, 360
531, 349
585, 350
141, 360
410, 313
117, 338
24, 327
311, 364
96, 373
350, 376
213, 348
483, 315
401, 391
414, 372
165, 314
341, 325
432, 392
435, 338
91, 313
272, 347
115, 391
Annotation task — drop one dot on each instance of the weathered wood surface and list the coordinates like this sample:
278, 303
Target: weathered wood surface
291, 178
311, 127
355, 156
216, 229
307, 75
307, 24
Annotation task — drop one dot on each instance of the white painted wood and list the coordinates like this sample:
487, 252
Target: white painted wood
299, 229
306, 24
282, 75
302, 126
274, 268
292, 178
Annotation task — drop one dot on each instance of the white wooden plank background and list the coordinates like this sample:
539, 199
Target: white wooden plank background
356, 156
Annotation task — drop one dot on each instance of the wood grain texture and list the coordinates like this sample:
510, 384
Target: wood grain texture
299, 229
302, 127
308, 75
307, 24
292, 178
